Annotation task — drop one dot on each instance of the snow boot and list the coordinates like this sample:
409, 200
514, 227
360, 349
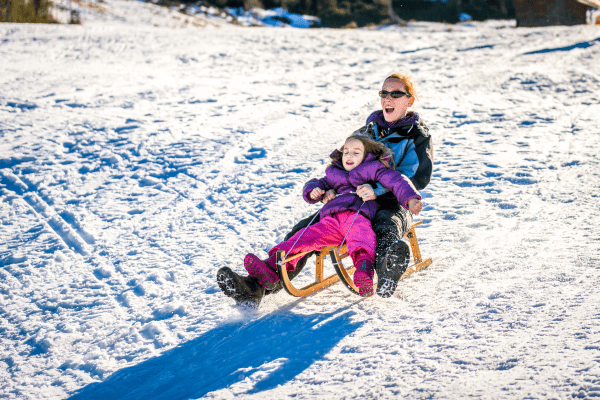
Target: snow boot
391, 268
262, 270
244, 290
363, 278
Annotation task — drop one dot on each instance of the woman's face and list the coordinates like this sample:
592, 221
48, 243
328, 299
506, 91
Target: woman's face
394, 109
353, 155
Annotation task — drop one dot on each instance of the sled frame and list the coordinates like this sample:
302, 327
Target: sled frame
342, 273
320, 281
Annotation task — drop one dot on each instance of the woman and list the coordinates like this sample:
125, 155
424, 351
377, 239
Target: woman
407, 136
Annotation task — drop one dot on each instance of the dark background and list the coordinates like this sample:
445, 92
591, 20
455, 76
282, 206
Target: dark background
339, 13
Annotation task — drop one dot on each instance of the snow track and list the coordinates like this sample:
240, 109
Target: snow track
135, 161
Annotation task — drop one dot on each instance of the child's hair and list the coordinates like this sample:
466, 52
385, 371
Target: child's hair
379, 151
410, 88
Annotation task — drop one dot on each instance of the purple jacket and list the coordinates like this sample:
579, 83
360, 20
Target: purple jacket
345, 183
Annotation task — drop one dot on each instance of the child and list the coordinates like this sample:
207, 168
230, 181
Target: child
359, 161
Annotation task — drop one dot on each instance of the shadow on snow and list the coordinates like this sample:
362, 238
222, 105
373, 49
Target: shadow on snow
270, 351
582, 45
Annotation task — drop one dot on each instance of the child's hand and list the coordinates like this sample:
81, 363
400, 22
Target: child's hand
329, 195
415, 206
316, 193
365, 192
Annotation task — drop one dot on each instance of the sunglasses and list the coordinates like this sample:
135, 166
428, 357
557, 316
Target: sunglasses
396, 94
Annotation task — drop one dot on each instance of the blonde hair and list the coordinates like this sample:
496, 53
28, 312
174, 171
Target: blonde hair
410, 88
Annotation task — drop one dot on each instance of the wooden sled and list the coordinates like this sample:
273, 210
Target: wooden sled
342, 273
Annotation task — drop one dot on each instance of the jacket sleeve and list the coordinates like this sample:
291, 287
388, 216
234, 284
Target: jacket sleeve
391, 180
407, 162
398, 184
424, 150
312, 184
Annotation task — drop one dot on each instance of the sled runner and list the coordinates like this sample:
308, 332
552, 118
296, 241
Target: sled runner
342, 273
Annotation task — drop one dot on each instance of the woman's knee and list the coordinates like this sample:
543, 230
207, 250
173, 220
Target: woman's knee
395, 224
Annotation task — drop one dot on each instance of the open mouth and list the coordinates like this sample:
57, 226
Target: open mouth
389, 110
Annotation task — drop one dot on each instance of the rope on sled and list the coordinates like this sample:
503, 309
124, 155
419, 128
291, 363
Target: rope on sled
309, 224
343, 240
312, 220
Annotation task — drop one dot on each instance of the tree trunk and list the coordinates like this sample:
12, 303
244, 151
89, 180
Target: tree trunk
503, 8
4, 10
393, 16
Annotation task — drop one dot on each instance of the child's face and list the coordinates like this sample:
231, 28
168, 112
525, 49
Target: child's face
354, 154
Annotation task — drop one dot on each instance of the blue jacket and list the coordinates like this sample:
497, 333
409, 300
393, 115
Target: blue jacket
410, 142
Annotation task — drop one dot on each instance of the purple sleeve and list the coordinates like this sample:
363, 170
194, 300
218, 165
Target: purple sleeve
392, 180
398, 184
310, 185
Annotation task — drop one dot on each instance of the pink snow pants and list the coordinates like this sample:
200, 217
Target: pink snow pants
330, 231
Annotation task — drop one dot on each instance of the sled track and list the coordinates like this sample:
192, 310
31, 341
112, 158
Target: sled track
70, 234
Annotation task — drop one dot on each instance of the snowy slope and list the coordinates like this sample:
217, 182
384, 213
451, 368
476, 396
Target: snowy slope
136, 160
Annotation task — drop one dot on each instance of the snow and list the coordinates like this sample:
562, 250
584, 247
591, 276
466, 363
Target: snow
136, 160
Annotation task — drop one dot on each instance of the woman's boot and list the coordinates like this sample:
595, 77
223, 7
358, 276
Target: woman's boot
391, 267
245, 290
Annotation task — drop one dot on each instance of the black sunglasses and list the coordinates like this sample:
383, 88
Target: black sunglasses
396, 94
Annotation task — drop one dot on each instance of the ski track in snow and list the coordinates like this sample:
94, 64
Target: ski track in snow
135, 161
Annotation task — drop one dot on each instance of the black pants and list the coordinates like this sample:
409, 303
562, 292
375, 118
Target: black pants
390, 224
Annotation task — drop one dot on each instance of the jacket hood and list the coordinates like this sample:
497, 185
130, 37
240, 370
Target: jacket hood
411, 118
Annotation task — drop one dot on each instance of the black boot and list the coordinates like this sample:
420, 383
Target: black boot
245, 290
391, 267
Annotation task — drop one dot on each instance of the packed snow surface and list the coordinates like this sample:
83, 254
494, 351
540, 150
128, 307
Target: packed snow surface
136, 160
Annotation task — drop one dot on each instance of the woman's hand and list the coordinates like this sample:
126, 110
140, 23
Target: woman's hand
316, 193
329, 195
415, 206
365, 192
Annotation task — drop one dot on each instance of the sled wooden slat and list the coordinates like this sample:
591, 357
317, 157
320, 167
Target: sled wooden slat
320, 281
416, 252
417, 258
342, 273
295, 256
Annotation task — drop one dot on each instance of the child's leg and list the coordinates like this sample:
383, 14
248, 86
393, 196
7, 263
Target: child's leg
257, 268
326, 232
361, 247
361, 239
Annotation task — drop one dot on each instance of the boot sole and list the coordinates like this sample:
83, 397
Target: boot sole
393, 270
364, 284
229, 282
